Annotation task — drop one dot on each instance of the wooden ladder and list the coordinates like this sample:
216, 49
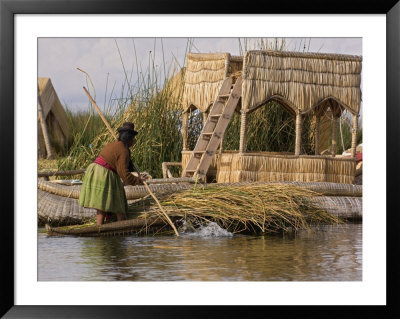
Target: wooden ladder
214, 129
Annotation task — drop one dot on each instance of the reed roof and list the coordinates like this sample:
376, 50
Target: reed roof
204, 75
52, 108
301, 81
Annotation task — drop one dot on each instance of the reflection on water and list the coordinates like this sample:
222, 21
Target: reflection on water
327, 253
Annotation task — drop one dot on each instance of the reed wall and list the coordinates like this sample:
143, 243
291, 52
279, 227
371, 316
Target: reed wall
260, 167
232, 167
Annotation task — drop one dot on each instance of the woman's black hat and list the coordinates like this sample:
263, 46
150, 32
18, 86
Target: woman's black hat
127, 126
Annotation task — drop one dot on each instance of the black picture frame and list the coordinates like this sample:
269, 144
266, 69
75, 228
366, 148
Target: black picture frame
8, 10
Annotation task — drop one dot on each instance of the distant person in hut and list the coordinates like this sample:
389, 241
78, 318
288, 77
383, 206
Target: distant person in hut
102, 188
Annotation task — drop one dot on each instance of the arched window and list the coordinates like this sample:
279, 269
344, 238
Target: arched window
333, 127
271, 128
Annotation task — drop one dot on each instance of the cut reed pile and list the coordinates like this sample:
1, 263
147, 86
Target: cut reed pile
247, 208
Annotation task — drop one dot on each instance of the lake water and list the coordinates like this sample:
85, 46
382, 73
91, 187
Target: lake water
326, 253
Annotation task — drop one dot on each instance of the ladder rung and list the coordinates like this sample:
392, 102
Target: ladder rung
224, 95
190, 170
209, 133
197, 153
207, 136
215, 117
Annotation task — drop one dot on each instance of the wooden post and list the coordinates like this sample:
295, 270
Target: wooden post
205, 115
164, 170
354, 136
221, 144
243, 131
334, 135
42, 121
185, 118
299, 128
317, 132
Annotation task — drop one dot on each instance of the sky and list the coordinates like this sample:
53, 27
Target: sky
110, 62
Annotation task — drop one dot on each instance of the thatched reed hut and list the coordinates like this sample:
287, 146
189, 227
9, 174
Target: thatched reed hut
54, 116
303, 84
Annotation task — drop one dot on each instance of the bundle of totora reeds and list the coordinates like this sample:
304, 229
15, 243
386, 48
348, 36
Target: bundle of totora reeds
248, 208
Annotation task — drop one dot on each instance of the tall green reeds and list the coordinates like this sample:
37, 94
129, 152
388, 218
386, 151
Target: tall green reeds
270, 128
151, 103
158, 121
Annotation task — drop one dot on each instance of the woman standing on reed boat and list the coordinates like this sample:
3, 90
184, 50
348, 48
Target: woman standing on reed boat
102, 188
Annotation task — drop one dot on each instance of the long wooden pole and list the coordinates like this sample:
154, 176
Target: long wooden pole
144, 182
101, 114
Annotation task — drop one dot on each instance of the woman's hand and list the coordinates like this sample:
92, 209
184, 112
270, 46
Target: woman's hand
146, 176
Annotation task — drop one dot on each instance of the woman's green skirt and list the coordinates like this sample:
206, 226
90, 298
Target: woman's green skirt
102, 189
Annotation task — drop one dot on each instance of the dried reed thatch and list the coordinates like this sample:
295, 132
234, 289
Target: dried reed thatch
175, 85
204, 75
248, 207
235, 65
138, 226
58, 210
301, 80
55, 117
341, 206
253, 167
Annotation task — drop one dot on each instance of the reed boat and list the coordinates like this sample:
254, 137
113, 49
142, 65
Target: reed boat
58, 202
59, 210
